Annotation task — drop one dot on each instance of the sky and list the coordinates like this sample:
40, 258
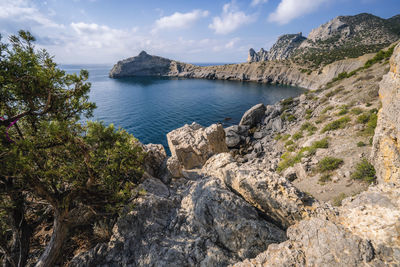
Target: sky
105, 31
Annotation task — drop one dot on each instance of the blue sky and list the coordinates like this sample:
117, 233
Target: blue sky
105, 31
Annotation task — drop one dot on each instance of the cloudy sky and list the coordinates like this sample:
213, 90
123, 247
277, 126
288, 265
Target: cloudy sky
104, 31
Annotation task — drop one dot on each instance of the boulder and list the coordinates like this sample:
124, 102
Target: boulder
270, 193
174, 167
253, 116
317, 242
193, 144
190, 223
235, 135
155, 158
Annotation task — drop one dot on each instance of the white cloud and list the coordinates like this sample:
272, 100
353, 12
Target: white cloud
288, 10
257, 2
231, 43
179, 20
25, 12
230, 19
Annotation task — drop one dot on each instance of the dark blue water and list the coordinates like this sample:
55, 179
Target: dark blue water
150, 107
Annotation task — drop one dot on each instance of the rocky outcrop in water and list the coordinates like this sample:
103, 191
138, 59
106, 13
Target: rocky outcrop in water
147, 65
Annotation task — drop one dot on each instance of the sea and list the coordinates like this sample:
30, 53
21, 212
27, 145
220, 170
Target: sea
150, 107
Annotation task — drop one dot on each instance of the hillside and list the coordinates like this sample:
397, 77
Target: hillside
342, 37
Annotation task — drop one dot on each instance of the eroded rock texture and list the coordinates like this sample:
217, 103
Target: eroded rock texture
386, 152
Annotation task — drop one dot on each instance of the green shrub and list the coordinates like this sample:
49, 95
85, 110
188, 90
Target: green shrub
291, 148
278, 137
323, 143
288, 117
297, 135
363, 118
285, 137
356, 111
337, 124
286, 103
325, 178
379, 56
288, 161
326, 109
309, 127
288, 143
364, 171
343, 110
337, 201
360, 144
329, 164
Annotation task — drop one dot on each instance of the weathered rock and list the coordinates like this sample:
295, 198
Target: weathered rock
234, 135
148, 65
316, 242
386, 146
174, 167
374, 215
193, 144
253, 116
155, 158
272, 194
191, 223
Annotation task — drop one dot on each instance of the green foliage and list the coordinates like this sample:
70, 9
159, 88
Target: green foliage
308, 113
277, 137
329, 164
364, 171
289, 160
325, 178
288, 117
297, 135
357, 111
309, 127
76, 169
337, 124
334, 92
379, 57
337, 201
288, 143
326, 109
286, 103
285, 137
369, 118
343, 110
360, 144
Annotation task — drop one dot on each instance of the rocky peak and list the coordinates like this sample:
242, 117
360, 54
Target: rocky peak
142, 54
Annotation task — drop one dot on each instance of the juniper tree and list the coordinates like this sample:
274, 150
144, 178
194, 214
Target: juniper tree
83, 172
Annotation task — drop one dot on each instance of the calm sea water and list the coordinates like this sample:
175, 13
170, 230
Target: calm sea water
150, 107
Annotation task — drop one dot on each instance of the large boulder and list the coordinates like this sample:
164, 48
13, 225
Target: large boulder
317, 242
272, 194
235, 135
193, 144
253, 116
190, 223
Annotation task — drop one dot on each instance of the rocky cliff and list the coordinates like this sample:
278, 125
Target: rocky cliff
147, 65
342, 37
284, 48
387, 138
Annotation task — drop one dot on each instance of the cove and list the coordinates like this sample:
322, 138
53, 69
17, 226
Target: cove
150, 107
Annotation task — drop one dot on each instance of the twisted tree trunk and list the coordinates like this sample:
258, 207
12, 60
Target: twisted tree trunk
53, 249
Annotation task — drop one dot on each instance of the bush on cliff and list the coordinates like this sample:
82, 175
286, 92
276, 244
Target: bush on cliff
79, 173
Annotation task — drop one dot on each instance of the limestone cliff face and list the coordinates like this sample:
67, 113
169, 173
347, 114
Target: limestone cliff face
284, 47
386, 150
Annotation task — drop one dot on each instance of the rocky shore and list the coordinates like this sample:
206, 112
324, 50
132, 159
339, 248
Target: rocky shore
226, 198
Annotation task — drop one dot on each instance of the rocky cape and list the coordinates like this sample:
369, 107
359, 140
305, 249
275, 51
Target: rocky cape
274, 72
221, 199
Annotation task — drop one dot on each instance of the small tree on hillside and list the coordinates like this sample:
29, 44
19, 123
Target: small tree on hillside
82, 172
